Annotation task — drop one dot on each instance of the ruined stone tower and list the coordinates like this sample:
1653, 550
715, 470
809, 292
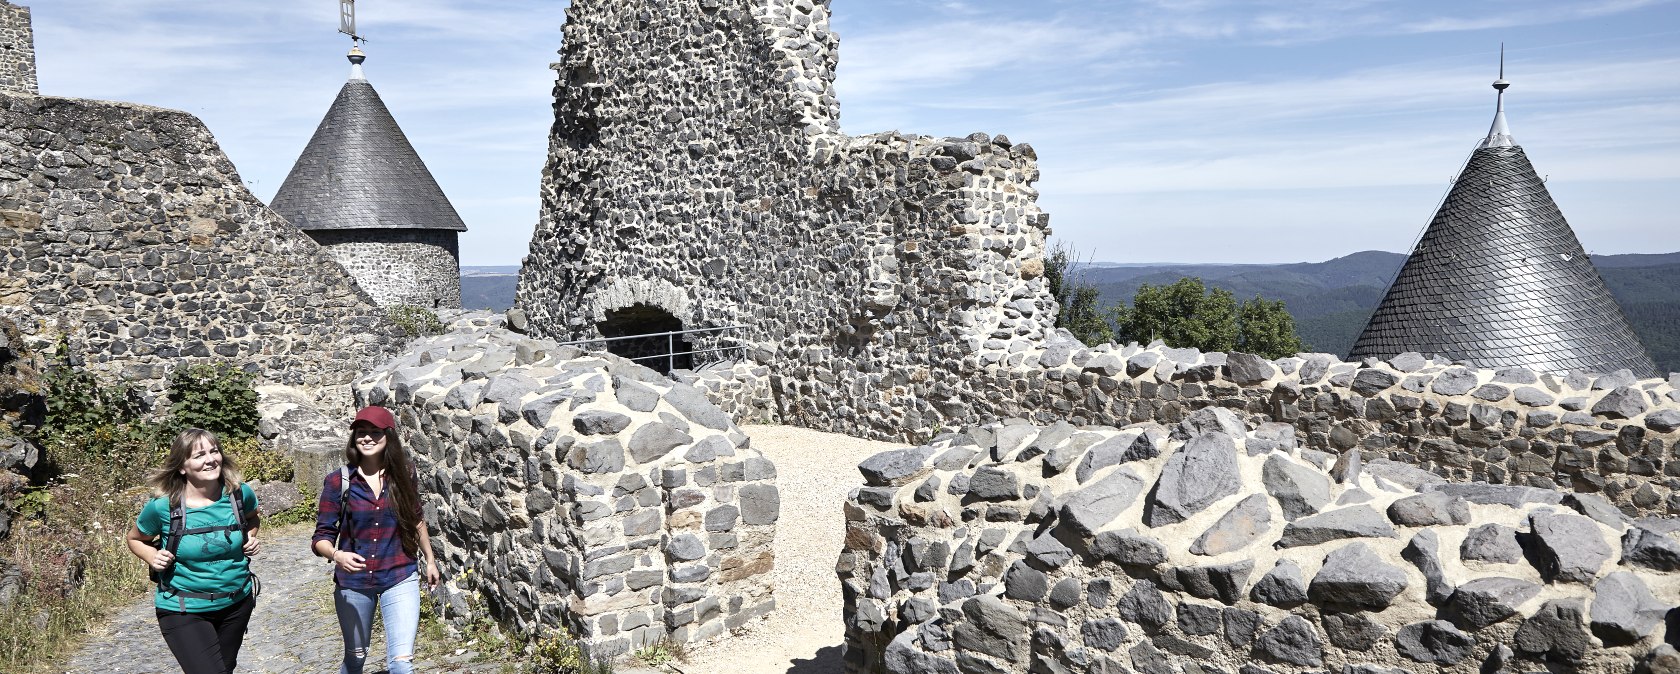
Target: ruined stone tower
361, 191
17, 50
697, 178
1499, 279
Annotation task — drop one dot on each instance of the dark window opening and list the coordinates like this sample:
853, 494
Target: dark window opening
641, 319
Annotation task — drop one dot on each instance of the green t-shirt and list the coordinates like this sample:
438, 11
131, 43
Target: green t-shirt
208, 562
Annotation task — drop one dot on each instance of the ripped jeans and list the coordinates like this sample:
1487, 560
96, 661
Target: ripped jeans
399, 605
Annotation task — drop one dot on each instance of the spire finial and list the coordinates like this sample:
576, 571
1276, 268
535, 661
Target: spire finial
1500, 134
356, 58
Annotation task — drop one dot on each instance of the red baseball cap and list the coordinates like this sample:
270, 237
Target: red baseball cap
378, 416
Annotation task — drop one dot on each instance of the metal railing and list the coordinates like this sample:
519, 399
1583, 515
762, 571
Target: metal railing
671, 352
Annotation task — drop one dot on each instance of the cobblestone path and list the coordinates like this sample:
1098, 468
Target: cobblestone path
293, 629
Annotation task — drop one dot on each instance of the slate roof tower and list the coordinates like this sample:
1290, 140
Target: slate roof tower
1499, 279
360, 190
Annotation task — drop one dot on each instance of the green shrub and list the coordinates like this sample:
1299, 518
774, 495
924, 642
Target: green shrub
256, 463
77, 401
415, 321
216, 398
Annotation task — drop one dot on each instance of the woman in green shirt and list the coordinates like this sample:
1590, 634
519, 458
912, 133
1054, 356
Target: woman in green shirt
208, 523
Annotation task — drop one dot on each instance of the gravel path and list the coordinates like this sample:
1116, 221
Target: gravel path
293, 628
814, 472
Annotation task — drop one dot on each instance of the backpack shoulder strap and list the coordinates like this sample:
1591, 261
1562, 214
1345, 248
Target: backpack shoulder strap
238, 506
177, 524
343, 496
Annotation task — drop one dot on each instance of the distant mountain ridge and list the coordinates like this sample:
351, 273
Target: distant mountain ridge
1330, 300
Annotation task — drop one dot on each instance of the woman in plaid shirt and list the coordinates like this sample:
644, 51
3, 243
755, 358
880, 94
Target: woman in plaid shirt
372, 531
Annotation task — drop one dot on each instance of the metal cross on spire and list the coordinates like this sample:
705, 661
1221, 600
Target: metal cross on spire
347, 20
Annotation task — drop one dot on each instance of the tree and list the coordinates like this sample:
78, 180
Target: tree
1266, 329
1189, 314
1080, 309
1184, 314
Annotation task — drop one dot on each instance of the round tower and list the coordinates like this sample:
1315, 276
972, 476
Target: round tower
360, 190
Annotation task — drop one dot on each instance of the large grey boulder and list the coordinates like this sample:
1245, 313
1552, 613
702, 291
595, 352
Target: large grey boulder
1224, 582
1355, 576
1240, 527
1511, 495
1144, 605
1204, 470
1491, 543
1300, 490
1649, 549
1360, 521
991, 483
1292, 641
1283, 586
1352, 631
1129, 548
1566, 547
1434, 641
896, 467
1429, 509
1424, 552
1556, 631
1485, 601
1626, 402
1623, 609
993, 627
1248, 369
1090, 509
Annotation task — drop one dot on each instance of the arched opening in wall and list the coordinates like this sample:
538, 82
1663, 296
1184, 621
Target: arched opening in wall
641, 319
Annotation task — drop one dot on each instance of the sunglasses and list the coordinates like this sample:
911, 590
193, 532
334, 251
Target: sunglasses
366, 432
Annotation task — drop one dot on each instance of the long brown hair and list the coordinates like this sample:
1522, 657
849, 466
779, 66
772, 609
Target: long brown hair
399, 476
170, 483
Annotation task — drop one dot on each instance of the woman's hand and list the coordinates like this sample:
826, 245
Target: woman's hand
161, 560
251, 545
349, 562
432, 576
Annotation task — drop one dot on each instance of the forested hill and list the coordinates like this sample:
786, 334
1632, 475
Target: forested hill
1331, 300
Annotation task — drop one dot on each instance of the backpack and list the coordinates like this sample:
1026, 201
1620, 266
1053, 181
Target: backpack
172, 540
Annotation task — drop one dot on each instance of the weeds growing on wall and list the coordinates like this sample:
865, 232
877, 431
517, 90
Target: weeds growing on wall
415, 321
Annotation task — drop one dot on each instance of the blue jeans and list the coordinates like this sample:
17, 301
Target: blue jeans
400, 607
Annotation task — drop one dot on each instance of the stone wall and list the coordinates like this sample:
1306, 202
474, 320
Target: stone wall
17, 50
126, 230
415, 267
696, 166
582, 491
1204, 548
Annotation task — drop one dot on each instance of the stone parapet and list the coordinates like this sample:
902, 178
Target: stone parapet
1205, 547
1584, 432
581, 491
125, 230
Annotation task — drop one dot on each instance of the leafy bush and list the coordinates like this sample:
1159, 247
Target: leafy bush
77, 401
415, 321
216, 398
257, 463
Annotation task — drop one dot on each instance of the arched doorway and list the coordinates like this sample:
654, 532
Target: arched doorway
641, 319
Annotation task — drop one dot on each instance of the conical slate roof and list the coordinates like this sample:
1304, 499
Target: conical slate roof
360, 172
1500, 280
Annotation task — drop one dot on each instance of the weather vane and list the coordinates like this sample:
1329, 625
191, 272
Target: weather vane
347, 20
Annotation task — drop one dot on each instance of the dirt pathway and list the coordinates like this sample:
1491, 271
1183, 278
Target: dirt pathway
293, 629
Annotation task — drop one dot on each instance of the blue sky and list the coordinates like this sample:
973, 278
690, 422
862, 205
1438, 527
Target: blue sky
1188, 130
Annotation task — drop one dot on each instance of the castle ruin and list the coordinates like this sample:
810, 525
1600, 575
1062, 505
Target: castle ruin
17, 50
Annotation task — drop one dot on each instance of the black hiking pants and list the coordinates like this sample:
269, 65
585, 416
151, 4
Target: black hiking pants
207, 643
